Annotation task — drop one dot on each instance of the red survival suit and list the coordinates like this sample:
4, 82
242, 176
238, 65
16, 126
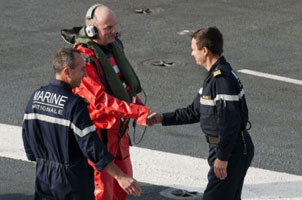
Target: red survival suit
106, 113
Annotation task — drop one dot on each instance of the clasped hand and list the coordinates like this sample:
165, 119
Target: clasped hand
154, 118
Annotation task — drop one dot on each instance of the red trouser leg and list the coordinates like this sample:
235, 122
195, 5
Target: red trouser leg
107, 188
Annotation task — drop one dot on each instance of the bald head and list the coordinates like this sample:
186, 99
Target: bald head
99, 13
103, 18
102, 13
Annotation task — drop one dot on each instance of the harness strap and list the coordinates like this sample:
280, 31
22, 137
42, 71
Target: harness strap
92, 60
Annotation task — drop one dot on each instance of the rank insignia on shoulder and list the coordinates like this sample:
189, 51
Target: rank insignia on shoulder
206, 97
216, 73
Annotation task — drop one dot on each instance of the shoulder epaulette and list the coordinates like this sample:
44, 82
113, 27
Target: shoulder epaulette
217, 73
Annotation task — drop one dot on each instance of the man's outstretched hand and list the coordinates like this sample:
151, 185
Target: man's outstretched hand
154, 118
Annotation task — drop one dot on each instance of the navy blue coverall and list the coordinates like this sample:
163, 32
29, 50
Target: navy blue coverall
59, 135
221, 109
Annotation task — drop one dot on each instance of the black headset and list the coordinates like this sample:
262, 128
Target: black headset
91, 31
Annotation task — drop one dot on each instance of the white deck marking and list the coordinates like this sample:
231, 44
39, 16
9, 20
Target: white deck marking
178, 171
271, 76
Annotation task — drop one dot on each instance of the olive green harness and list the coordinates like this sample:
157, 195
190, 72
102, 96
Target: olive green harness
114, 82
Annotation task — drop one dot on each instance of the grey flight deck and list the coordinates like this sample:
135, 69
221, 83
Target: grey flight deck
263, 36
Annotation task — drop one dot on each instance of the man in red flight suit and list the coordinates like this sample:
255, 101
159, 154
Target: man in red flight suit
110, 88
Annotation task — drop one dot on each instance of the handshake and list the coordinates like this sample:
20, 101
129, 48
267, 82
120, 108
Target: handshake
154, 118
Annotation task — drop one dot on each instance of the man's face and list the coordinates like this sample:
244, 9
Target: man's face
106, 29
199, 55
78, 73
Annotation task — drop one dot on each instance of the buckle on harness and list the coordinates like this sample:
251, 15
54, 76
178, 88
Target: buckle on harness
212, 139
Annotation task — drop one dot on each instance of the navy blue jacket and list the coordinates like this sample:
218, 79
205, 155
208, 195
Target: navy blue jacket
220, 107
59, 135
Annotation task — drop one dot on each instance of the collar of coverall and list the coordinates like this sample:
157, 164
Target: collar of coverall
220, 61
59, 83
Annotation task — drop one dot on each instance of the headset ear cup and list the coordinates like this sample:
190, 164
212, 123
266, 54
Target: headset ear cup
91, 31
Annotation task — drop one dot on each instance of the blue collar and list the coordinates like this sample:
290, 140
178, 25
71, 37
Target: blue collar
61, 84
220, 61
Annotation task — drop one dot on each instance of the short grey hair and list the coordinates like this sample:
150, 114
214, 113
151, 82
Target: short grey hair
63, 57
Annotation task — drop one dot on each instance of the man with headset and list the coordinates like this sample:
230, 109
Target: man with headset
111, 88
59, 136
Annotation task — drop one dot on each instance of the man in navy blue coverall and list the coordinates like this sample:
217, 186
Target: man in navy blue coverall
221, 109
59, 136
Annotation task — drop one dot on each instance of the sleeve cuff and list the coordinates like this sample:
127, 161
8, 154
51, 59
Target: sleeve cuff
104, 162
224, 156
142, 119
166, 120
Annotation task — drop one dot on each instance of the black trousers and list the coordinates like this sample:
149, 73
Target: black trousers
54, 181
231, 187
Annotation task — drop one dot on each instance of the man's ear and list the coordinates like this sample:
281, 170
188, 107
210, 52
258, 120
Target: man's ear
205, 51
66, 71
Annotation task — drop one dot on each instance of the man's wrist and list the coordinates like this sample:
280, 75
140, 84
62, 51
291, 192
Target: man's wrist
160, 117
